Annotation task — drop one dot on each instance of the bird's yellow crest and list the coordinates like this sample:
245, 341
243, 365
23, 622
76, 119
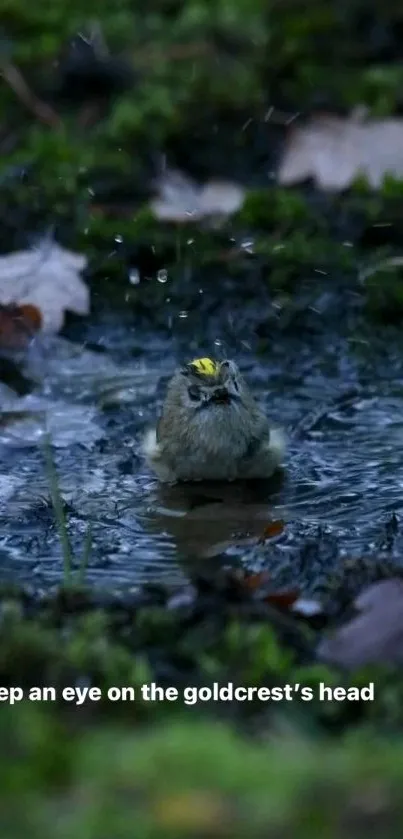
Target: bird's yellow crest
205, 366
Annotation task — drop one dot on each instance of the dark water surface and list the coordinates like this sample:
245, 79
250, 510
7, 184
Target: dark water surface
339, 396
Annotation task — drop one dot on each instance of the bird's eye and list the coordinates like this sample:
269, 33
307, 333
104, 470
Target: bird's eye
229, 366
194, 393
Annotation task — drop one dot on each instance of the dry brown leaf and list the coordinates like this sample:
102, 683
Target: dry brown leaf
334, 151
18, 324
254, 582
47, 279
180, 199
282, 599
274, 528
375, 635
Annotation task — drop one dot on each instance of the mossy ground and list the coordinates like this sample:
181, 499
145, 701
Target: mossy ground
192, 779
170, 768
192, 84
192, 81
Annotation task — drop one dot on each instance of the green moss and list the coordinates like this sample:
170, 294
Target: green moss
113, 768
191, 56
274, 206
192, 779
200, 74
385, 291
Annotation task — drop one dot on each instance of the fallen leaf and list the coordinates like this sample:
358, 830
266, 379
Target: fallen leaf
282, 599
180, 199
18, 324
255, 581
46, 279
274, 528
259, 582
334, 151
375, 635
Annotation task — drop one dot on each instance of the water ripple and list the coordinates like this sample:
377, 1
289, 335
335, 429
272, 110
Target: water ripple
343, 409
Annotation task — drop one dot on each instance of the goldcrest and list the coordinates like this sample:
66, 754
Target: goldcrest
212, 429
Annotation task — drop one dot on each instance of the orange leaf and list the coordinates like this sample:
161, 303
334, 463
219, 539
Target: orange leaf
282, 599
255, 581
32, 316
18, 324
274, 528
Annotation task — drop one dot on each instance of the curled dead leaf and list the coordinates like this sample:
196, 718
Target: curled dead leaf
282, 599
182, 200
254, 582
274, 528
260, 583
45, 279
334, 151
18, 324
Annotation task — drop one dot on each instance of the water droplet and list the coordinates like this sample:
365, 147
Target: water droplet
134, 276
162, 275
183, 314
201, 290
118, 238
190, 241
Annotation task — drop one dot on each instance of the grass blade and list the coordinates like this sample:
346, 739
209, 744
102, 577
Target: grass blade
85, 556
58, 506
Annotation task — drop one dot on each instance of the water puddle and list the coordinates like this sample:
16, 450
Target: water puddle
342, 406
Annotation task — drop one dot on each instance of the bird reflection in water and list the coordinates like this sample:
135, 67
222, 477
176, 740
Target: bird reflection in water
205, 519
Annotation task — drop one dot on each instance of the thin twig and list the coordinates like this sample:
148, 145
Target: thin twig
42, 111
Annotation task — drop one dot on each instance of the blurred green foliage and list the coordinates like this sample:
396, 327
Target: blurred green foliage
161, 769
201, 77
191, 779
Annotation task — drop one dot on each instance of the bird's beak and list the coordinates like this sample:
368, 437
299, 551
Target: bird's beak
221, 396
